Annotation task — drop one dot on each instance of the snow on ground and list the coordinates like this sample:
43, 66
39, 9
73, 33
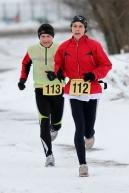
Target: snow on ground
22, 158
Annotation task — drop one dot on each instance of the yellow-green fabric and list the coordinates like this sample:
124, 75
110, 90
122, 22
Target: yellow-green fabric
42, 60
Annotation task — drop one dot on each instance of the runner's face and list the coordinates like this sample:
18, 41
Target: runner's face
78, 30
46, 40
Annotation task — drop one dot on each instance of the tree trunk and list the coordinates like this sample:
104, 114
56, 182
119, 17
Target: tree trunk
107, 15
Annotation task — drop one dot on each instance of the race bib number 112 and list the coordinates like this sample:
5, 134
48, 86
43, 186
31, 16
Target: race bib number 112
79, 87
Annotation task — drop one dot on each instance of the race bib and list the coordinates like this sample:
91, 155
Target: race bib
79, 87
52, 89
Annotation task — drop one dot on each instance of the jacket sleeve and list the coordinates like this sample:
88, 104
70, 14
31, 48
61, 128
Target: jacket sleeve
59, 60
26, 64
103, 64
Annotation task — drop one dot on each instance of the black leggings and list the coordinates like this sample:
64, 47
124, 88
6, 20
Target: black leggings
50, 114
84, 115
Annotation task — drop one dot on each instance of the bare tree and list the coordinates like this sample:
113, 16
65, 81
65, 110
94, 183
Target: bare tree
112, 18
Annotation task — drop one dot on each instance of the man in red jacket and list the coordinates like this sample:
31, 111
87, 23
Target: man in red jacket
84, 62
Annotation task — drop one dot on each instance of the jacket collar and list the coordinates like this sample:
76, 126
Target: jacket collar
45, 47
84, 37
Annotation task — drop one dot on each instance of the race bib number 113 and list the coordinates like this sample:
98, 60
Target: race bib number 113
79, 87
52, 89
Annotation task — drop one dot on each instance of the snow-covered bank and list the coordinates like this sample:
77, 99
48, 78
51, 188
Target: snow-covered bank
22, 159
27, 29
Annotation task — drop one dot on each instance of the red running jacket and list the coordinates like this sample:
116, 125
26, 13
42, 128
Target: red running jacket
76, 58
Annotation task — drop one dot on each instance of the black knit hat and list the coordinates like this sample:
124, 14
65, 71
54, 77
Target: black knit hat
46, 29
79, 18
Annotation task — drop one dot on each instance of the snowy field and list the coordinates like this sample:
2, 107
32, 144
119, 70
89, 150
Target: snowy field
21, 155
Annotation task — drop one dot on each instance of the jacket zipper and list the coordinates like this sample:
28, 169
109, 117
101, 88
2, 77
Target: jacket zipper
45, 56
78, 62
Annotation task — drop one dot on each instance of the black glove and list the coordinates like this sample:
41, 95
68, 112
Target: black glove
51, 75
89, 77
60, 75
21, 84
